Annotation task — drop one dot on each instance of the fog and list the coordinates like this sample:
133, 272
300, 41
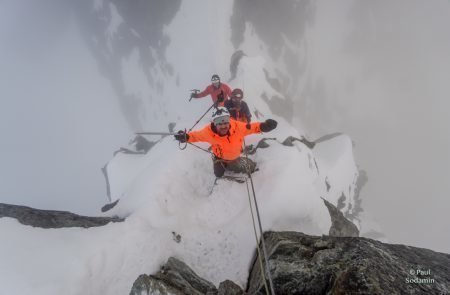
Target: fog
377, 71
384, 69
59, 121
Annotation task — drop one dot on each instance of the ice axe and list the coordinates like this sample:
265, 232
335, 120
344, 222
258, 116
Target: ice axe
194, 92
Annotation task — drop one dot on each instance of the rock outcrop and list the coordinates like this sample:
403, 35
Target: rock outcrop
340, 226
52, 218
302, 264
175, 277
341, 263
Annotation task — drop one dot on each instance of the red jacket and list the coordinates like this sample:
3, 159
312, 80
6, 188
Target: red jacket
228, 147
214, 92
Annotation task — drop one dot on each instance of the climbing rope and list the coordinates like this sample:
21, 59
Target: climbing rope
261, 265
263, 244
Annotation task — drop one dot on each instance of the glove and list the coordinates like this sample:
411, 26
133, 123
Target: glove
269, 125
220, 97
182, 136
193, 95
248, 126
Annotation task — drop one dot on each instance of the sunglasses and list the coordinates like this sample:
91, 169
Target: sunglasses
222, 121
222, 124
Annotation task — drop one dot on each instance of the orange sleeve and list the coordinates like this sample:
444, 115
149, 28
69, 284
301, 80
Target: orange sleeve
202, 135
254, 127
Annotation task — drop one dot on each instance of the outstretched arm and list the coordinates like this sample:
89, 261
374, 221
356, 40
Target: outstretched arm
193, 136
258, 127
201, 135
204, 93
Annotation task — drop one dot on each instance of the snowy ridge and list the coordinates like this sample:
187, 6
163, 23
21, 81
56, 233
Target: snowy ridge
170, 193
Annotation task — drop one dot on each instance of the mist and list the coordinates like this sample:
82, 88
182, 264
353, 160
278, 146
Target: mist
58, 120
377, 71
384, 68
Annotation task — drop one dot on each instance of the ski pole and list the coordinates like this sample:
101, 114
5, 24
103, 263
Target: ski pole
156, 133
213, 105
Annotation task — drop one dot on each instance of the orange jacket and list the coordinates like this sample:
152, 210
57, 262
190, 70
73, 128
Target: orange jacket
214, 92
228, 147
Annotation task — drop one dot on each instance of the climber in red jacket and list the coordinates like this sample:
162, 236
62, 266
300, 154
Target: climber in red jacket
220, 92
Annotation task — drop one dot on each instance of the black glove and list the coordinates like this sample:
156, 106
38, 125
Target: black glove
269, 125
220, 97
182, 136
193, 95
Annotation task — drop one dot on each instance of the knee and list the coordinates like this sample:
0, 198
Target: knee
219, 172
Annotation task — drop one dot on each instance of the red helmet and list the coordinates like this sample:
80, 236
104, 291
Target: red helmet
237, 94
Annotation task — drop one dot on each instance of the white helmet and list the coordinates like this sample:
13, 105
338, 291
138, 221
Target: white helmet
220, 115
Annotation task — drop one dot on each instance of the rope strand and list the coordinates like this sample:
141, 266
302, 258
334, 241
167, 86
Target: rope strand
263, 244
261, 265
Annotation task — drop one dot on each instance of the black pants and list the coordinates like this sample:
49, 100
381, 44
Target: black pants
240, 165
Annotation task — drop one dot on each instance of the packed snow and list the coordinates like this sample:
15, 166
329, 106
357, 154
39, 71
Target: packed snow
170, 191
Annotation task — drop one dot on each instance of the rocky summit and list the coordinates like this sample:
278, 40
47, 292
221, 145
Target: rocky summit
341, 263
303, 264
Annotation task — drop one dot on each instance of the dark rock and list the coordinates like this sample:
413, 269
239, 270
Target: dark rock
327, 184
262, 144
176, 237
175, 277
281, 106
361, 181
341, 202
289, 141
171, 126
109, 206
143, 144
234, 63
52, 218
229, 288
302, 264
340, 226
146, 285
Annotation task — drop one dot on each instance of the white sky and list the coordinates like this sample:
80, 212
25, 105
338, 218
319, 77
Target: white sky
387, 78
59, 120
385, 66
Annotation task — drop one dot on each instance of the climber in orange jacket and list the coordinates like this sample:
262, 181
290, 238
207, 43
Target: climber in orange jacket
220, 92
226, 137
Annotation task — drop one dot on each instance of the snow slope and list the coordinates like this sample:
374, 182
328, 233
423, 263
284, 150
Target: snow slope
171, 194
168, 191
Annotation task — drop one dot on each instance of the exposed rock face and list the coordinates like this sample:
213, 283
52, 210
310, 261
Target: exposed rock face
340, 226
229, 288
175, 277
302, 264
51, 218
290, 142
